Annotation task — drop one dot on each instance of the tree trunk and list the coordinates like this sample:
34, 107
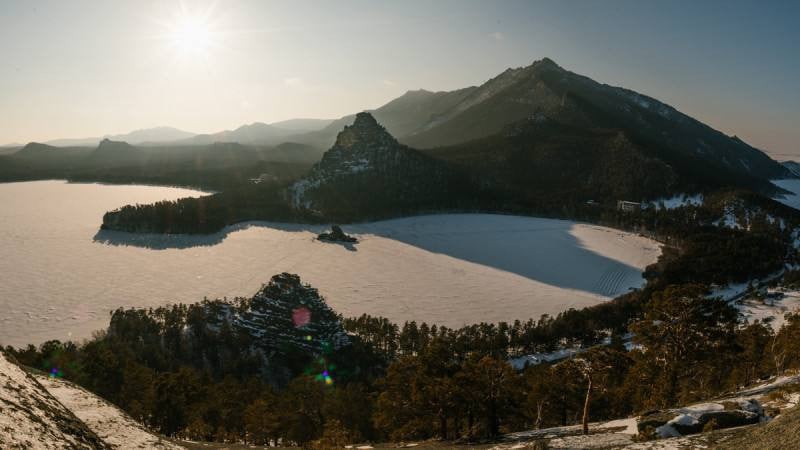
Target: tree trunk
586, 407
494, 425
539, 407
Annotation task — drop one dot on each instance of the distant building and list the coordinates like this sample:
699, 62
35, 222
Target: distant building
626, 206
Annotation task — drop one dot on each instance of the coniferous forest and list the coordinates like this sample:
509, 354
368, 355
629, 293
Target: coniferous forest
201, 372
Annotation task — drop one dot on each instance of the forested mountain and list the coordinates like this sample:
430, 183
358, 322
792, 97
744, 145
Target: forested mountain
539, 165
368, 172
402, 116
423, 119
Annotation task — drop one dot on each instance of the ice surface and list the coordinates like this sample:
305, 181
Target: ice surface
792, 185
58, 282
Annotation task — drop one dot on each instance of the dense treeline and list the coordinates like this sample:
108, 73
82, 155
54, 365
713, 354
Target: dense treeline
218, 167
263, 201
184, 372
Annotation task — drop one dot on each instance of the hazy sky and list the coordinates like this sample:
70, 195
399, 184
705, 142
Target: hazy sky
80, 68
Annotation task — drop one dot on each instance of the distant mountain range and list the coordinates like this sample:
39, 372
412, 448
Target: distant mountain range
425, 120
158, 134
253, 134
537, 137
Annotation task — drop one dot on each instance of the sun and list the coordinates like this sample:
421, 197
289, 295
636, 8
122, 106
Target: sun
191, 35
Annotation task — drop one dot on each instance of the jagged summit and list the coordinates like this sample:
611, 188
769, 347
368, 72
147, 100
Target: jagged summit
107, 143
367, 166
365, 129
287, 316
545, 62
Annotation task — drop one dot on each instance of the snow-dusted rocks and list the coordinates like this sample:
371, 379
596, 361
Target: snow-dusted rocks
286, 316
357, 149
693, 419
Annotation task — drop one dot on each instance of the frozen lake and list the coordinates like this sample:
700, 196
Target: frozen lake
60, 277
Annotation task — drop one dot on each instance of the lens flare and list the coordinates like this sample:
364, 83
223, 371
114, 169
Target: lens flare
301, 317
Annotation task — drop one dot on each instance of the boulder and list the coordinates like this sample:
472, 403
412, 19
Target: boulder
336, 235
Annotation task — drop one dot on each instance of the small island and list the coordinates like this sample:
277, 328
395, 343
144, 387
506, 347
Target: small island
336, 235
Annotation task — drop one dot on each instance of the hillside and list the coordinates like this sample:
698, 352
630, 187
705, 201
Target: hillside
116, 428
30, 417
405, 115
542, 162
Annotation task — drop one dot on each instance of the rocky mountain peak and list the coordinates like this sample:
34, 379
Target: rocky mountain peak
546, 62
109, 144
364, 130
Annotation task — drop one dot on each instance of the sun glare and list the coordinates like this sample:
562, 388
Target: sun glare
191, 35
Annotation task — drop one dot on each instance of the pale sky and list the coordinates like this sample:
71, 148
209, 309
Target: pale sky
88, 68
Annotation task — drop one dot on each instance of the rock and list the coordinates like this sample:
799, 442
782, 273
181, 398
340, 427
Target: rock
654, 419
729, 419
336, 235
681, 422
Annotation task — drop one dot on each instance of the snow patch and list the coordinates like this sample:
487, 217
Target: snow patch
677, 201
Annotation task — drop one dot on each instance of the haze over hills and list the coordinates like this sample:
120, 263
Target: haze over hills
157, 134
256, 133
424, 119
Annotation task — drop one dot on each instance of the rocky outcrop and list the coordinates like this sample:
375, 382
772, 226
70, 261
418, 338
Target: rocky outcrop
336, 235
287, 316
367, 172
697, 418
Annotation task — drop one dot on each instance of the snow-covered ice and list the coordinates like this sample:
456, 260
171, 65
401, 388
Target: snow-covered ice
59, 277
792, 185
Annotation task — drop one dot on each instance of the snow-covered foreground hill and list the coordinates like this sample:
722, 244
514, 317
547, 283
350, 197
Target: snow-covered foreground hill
112, 425
30, 417
38, 412
59, 277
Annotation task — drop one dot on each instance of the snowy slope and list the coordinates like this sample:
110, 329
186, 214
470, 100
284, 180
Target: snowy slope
30, 417
112, 425
772, 311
